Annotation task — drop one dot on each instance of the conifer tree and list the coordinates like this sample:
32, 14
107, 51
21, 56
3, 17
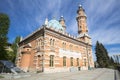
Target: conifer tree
105, 55
98, 54
112, 61
101, 55
4, 27
15, 46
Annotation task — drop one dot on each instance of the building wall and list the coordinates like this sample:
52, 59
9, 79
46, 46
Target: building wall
41, 49
58, 57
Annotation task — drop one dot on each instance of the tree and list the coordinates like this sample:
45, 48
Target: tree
117, 59
112, 61
101, 55
15, 46
106, 58
4, 27
98, 54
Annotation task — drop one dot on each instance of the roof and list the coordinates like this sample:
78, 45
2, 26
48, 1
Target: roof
55, 24
27, 46
44, 28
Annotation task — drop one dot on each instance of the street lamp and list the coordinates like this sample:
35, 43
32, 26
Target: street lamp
87, 56
42, 62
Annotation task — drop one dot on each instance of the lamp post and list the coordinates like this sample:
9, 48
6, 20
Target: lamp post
42, 63
87, 56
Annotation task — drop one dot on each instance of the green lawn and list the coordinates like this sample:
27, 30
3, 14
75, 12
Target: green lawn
1, 76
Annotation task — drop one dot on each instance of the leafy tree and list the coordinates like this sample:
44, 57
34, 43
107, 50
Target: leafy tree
15, 46
10, 55
4, 27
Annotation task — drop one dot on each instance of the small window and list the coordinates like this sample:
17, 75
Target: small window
84, 62
77, 61
64, 45
51, 60
52, 42
64, 61
71, 61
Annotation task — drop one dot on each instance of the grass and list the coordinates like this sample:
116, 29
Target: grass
1, 76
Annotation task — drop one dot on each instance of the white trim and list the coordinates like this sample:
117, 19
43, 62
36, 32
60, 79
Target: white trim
53, 69
69, 54
51, 53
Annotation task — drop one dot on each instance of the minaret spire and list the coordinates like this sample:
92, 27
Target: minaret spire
46, 21
80, 5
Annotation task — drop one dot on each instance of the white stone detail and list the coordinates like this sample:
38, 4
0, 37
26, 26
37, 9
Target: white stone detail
52, 53
53, 70
84, 68
46, 22
69, 54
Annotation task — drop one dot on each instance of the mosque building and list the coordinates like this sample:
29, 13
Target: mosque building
52, 49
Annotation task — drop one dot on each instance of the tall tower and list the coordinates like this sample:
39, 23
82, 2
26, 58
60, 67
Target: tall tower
62, 22
82, 25
81, 20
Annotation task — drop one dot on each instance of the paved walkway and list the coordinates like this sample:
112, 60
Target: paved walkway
97, 74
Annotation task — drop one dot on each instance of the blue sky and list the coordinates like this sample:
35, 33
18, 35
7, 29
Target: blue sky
103, 18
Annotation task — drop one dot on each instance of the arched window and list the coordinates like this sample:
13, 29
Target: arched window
40, 42
64, 61
84, 62
77, 61
64, 45
71, 61
52, 42
51, 60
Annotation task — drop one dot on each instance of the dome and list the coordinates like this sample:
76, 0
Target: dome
55, 24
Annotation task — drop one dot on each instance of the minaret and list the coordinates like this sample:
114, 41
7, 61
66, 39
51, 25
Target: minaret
62, 22
81, 20
82, 25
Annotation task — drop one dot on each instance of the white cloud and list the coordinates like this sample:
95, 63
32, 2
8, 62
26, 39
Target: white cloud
106, 36
114, 53
49, 10
102, 18
72, 28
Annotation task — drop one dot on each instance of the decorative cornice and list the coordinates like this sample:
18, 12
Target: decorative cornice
59, 34
65, 36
